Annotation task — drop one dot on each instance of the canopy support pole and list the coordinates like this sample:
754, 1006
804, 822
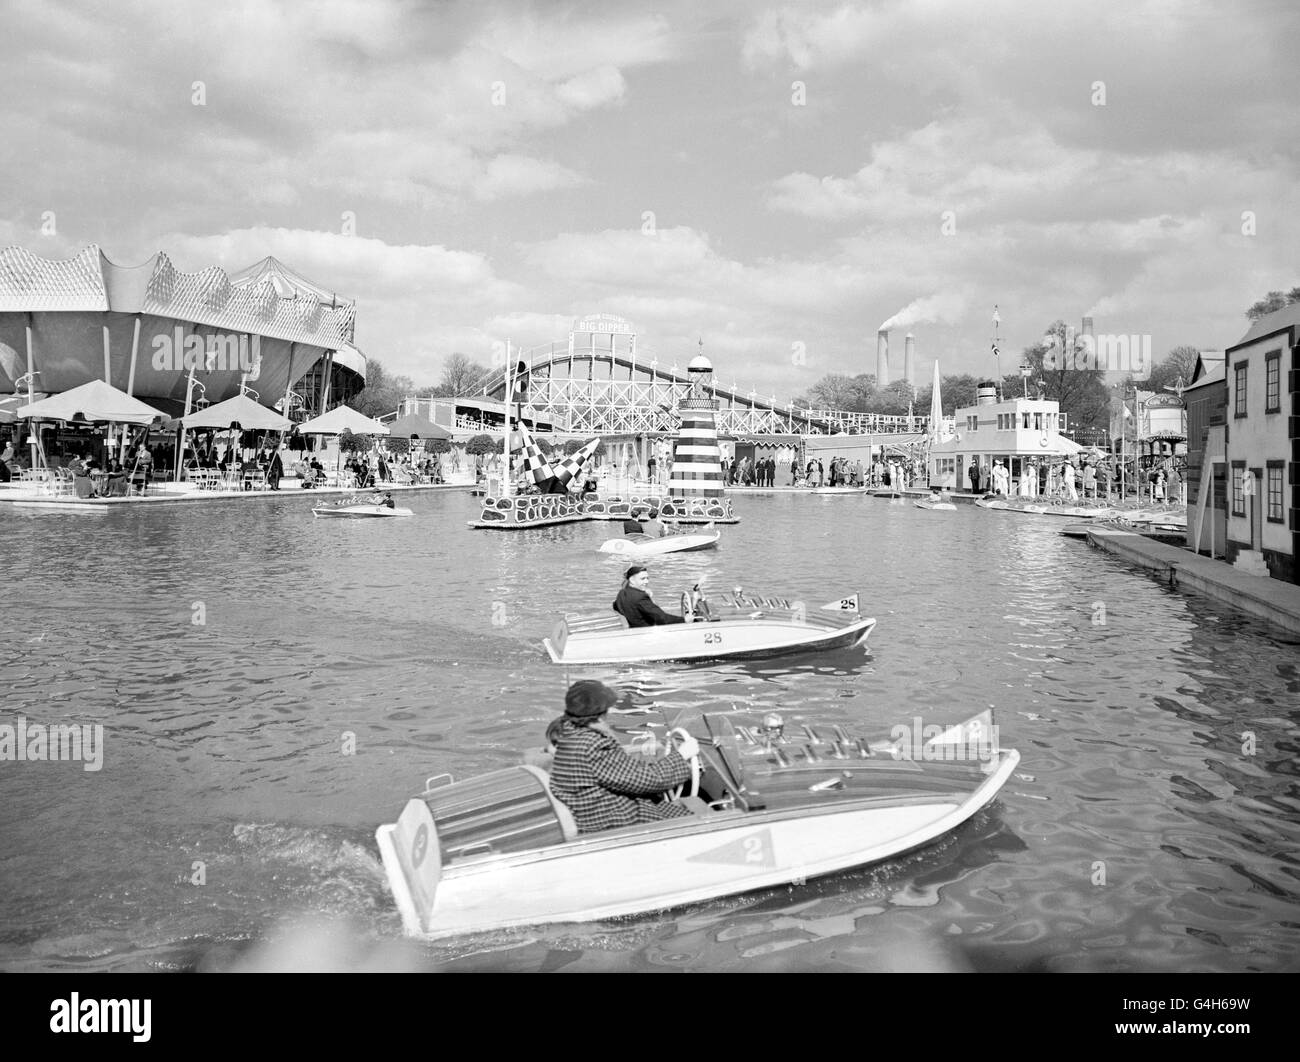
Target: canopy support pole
33, 433
180, 438
130, 378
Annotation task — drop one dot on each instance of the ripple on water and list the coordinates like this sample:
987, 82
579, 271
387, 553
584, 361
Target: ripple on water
1152, 824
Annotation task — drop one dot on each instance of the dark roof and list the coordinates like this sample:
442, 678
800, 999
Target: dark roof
1287, 317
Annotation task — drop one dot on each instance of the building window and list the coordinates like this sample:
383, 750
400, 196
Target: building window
1025, 422
1060, 421
1273, 382
1239, 410
1238, 488
1038, 422
973, 423
1274, 473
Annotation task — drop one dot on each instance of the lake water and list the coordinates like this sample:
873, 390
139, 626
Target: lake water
1153, 822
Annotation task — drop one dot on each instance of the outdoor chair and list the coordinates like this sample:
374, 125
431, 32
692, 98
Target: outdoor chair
83, 487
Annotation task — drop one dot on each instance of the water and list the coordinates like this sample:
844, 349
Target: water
1152, 824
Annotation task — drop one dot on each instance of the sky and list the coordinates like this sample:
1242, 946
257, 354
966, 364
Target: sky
775, 179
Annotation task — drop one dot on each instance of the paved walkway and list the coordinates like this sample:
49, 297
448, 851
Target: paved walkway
168, 493
1267, 599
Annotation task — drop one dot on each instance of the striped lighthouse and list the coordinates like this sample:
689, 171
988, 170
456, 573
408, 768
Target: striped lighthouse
697, 461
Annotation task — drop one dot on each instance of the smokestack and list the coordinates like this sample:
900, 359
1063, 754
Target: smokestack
882, 358
1087, 326
909, 359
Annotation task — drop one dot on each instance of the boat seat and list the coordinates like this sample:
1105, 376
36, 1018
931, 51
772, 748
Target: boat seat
613, 621
568, 824
511, 810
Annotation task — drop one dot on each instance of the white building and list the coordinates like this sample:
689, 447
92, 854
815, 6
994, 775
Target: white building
1261, 439
1023, 433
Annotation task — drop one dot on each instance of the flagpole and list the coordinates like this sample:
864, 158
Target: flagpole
505, 487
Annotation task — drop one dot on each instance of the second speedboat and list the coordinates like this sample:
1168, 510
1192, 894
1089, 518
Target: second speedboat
736, 626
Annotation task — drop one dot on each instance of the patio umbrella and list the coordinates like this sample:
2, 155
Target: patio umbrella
341, 419
239, 413
92, 403
95, 402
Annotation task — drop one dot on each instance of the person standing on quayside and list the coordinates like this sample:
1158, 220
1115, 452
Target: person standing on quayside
593, 777
634, 604
274, 469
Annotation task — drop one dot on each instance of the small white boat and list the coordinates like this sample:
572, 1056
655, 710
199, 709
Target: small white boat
740, 626
935, 503
501, 851
1071, 512
360, 511
838, 490
646, 546
885, 492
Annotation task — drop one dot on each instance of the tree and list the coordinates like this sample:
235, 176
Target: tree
839, 391
355, 444
574, 445
461, 376
1081, 393
483, 444
1274, 300
891, 400
383, 392
1179, 363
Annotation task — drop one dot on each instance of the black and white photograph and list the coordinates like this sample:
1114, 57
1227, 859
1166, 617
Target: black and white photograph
724, 487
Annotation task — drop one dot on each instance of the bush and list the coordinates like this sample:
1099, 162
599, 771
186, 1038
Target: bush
483, 444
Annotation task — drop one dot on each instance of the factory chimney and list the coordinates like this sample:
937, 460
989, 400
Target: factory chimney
882, 358
909, 360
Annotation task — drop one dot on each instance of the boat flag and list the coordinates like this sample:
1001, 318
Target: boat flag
533, 462
572, 465
844, 604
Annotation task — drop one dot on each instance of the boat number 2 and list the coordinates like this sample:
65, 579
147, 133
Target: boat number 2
713, 638
753, 849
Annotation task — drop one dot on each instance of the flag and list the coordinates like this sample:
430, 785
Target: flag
997, 318
533, 462
996, 353
572, 465
844, 604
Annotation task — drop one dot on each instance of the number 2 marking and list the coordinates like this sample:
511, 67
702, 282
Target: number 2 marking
753, 849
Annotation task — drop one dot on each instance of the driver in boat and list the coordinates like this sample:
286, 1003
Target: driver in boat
634, 604
601, 784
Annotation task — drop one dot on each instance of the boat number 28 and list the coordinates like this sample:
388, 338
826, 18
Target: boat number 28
712, 637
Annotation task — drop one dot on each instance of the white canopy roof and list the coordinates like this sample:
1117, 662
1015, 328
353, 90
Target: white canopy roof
95, 402
239, 410
341, 419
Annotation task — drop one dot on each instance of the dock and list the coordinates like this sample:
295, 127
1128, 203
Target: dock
1271, 600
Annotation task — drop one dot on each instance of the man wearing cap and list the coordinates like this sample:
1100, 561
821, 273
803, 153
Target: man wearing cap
601, 784
634, 604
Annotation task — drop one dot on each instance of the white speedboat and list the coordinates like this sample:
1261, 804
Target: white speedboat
360, 511
501, 851
937, 503
737, 626
646, 546
838, 490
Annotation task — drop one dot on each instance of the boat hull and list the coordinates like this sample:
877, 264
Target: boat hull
685, 860
939, 506
362, 512
732, 639
644, 546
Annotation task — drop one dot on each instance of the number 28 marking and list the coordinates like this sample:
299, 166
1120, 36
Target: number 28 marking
713, 638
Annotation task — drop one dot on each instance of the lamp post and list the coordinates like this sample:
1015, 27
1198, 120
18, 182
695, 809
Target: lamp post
190, 385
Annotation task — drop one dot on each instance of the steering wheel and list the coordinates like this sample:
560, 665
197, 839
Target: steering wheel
695, 767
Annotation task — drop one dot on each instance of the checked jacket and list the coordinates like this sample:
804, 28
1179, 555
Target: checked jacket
606, 788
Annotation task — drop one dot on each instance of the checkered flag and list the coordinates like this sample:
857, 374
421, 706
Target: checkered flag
532, 462
572, 465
